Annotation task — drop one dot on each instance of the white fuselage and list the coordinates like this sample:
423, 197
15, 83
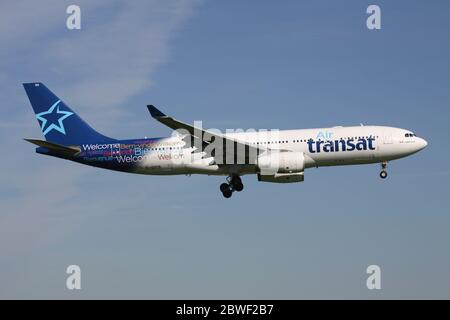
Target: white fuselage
321, 147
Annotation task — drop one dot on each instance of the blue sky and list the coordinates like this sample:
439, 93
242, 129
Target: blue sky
231, 64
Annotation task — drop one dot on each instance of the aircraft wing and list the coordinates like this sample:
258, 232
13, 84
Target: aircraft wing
200, 133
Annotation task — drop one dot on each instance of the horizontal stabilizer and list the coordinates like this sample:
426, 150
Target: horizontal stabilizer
55, 147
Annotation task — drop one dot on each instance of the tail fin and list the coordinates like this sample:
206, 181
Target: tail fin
59, 124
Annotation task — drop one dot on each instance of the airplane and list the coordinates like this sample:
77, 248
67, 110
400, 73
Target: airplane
279, 157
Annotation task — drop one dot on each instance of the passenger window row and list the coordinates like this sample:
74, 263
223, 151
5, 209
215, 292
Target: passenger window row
306, 140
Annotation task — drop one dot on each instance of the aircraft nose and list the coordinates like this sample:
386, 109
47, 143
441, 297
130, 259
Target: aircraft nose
422, 143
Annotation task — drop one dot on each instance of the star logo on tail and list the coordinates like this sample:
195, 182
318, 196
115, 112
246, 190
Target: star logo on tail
53, 118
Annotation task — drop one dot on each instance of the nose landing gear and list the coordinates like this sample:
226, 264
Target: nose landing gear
383, 173
234, 184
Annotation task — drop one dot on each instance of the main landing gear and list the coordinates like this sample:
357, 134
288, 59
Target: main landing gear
383, 173
234, 183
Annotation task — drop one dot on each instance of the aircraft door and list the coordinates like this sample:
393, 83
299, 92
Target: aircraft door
115, 149
387, 139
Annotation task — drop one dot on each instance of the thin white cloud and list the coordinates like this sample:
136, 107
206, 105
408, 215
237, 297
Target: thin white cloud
100, 67
112, 57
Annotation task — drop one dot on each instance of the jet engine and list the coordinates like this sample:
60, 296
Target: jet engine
281, 167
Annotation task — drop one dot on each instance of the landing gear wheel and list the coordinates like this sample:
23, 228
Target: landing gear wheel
226, 190
383, 174
236, 183
227, 193
239, 187
224, 187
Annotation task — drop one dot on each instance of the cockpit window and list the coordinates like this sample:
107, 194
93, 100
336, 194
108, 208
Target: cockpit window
409, 135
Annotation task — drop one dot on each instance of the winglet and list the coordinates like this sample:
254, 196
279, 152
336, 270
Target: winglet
155, 112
